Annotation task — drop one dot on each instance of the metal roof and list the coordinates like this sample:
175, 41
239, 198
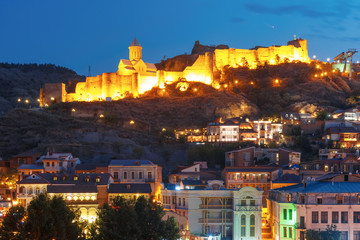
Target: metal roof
135, 43
31, 166
323, 187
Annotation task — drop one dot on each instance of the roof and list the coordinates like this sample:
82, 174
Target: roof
251, 169
288, 178
89, 166
290, 115
134, 43
126, 62
323, 187
342, 130
66, 178
31, 166
131, 163
151, 66
129, 188
72, 189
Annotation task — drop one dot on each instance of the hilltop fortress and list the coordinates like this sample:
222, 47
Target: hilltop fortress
134, 76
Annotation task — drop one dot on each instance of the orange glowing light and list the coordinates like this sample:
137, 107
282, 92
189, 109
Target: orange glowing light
225, 86
325, 73
26, 101
132, 122
19, 99
322, 74
276, 81
217, 87
38, 100
315, 75
101, 115
52, 98
164, 90
252, 83
236, 81
73, 110
317, 66
333, 70
195, 89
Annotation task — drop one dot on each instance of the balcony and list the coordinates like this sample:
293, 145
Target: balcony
235, 181
248, 208
301, 226
228, 206
216, 220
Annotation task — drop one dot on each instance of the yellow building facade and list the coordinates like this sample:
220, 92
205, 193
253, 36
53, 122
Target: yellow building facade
134, 76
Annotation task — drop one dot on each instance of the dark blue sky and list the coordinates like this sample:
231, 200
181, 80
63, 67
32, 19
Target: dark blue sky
76, 33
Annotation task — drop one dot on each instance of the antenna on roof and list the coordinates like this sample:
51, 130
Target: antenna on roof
89, 73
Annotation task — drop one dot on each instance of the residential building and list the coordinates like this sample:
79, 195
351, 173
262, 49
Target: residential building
226, 130
85, 191
340, 153
352, 115
137, 172
307, 118
267, 131
345, 137
129, 191
190, 135
196, 172
218, 212
315, 205
256, 177
240, 158
290, 119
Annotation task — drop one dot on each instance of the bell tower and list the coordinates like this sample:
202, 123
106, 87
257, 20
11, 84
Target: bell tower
135, 51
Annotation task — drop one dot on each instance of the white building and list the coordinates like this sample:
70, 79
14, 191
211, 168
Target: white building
218, 212
267, 131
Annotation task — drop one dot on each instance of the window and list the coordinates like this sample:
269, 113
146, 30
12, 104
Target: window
97, 179
289, 198
243, 225
344, 217
87, 179
55, 178
179, 202
140, 175
116, 175
285, 231
302, 222
284, 214
302, 235
315, 217
339, 199
324, 217
183, 201
252, 225
52, 164
290, 232
149, 176
356, 217
319, 200
132, 175
47, 164
302, 199
195, 169
335, 217
356, 235
252, 202
125, 175
290, 214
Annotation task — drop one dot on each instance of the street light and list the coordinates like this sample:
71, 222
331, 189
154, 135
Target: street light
19, 99
26, 101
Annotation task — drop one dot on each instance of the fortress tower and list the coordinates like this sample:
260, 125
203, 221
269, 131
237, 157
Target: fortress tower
135, 51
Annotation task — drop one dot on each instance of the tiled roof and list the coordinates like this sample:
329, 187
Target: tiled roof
71, 189
31, 166
131, 163
323, 187
129, 188
342, 130
135, 42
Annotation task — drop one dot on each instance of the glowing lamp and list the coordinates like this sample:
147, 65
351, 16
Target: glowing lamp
225, 85
69, 198
19, 99
333, 70
101, 115
164, 129
317, 66
276, 81
252, 83
315, 75
195, 89
73, 110
52, 98
93, 198
38, 100
26, 101
236, 81
132, 122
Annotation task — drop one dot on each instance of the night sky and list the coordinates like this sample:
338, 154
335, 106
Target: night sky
76, 34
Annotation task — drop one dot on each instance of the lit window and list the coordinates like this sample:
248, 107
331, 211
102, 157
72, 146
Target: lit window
243, 225
252, 225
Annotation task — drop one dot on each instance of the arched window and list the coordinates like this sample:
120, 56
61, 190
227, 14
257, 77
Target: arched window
252, 225
37, 190
243, 225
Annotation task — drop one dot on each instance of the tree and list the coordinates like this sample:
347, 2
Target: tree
12, 225
138, 220
118, 221
329, 234
51, 219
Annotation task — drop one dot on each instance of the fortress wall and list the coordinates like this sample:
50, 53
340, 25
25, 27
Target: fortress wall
147, 82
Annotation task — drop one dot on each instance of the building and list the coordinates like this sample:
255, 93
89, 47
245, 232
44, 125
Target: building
85, 191
223, 130
129, 191
91, 168
290, 119
197, 135
345, 137
315, 205
134, 76
352, 115
256, 177
137, 172
217, 212
249, 156
267, 131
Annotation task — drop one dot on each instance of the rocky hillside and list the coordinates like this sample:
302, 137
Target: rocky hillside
24, 81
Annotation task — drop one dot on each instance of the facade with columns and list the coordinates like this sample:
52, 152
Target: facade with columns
216, 212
